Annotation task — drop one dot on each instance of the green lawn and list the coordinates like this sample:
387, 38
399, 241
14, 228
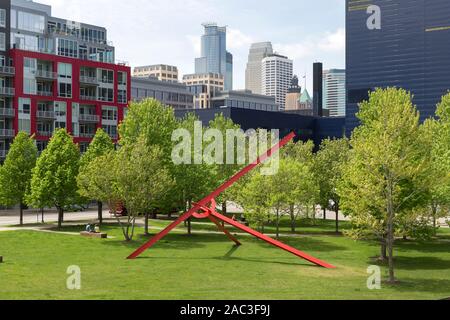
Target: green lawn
207, 266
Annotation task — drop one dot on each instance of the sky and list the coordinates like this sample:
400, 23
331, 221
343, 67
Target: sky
148, 32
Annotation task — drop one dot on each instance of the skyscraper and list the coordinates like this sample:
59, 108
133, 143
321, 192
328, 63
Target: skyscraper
397, 43
334, 92
258, 51
214, 55
277, 73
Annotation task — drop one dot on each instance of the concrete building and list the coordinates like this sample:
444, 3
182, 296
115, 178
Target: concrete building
244, 99
334, 95
406, 46
171, 94
277, 73
253, 72
204, 87
161, 72
214, 55
293, 95
57, 73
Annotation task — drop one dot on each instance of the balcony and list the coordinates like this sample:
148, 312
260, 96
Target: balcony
44, 133
89, 80
46, 115
6, 91
86, 135
3, 154
89, 118
88, 97
7, 112
8, 71
7, 133
47, 75
44, 93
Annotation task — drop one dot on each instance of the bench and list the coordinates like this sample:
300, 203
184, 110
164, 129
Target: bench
94, 235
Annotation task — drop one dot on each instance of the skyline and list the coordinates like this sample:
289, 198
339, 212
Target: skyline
161, 33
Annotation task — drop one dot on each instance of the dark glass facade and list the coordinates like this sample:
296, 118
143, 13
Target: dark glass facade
411, 51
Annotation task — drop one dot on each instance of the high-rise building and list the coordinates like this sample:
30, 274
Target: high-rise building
161, 72
318, 89
276, 76
258, 51
334, 97
293, 95
214, 55
57, 73
397, 43
204, 87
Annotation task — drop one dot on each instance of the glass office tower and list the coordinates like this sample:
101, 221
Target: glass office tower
214, 56
410, 49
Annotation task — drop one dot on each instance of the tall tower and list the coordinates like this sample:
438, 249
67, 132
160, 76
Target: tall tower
277, 74
214, 56
258, 51
334, 92
318, 89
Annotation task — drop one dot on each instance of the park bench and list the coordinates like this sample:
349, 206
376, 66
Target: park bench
94, 235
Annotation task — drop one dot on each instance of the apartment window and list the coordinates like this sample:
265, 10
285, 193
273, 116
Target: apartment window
25, 125
107, 76
13, 19
105, 94
67, 48
65, 90
2, 18
109, 113
24, 106
122, 97
2, 41
111, 130
31, 22
122, 78
65, 70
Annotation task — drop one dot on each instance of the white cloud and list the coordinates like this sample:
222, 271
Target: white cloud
236, 39
333, 41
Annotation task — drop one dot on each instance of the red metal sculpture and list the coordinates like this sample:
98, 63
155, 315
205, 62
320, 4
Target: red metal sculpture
202, 211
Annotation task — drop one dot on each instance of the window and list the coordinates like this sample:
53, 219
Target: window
24, 106
25, 125
31, 22
110, 130
29, 86
65, 70
105, 94
122, 98
65, 90
122, 78
2, 41
67, 48
13, 19
107, 76
109, 113
2, 18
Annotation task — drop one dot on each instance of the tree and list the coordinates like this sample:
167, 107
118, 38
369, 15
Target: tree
100, 146
385, 177
53, 182
437, 137
328, 171
193, 181
156, 122
98, 179
225, 170
15, 174
142, 180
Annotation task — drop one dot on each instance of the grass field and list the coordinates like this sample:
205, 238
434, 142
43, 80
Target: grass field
207, 266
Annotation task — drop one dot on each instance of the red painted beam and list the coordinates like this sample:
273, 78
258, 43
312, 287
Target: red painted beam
205, 201
224, 230
273, 242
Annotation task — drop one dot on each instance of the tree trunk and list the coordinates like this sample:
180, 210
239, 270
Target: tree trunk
189, 220
390, 233
100, 212
224, 208
337, 218
278, 223
383, 251
60, 217
42, 213
146, 224
21, 214
292, 214
325, 214
434, 215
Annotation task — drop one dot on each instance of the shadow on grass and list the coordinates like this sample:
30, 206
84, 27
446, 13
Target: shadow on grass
311, 244
438, 286
422, 263
434, 246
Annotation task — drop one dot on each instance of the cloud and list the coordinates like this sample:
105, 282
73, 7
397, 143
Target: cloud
236, 39
195, 42
333, 41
